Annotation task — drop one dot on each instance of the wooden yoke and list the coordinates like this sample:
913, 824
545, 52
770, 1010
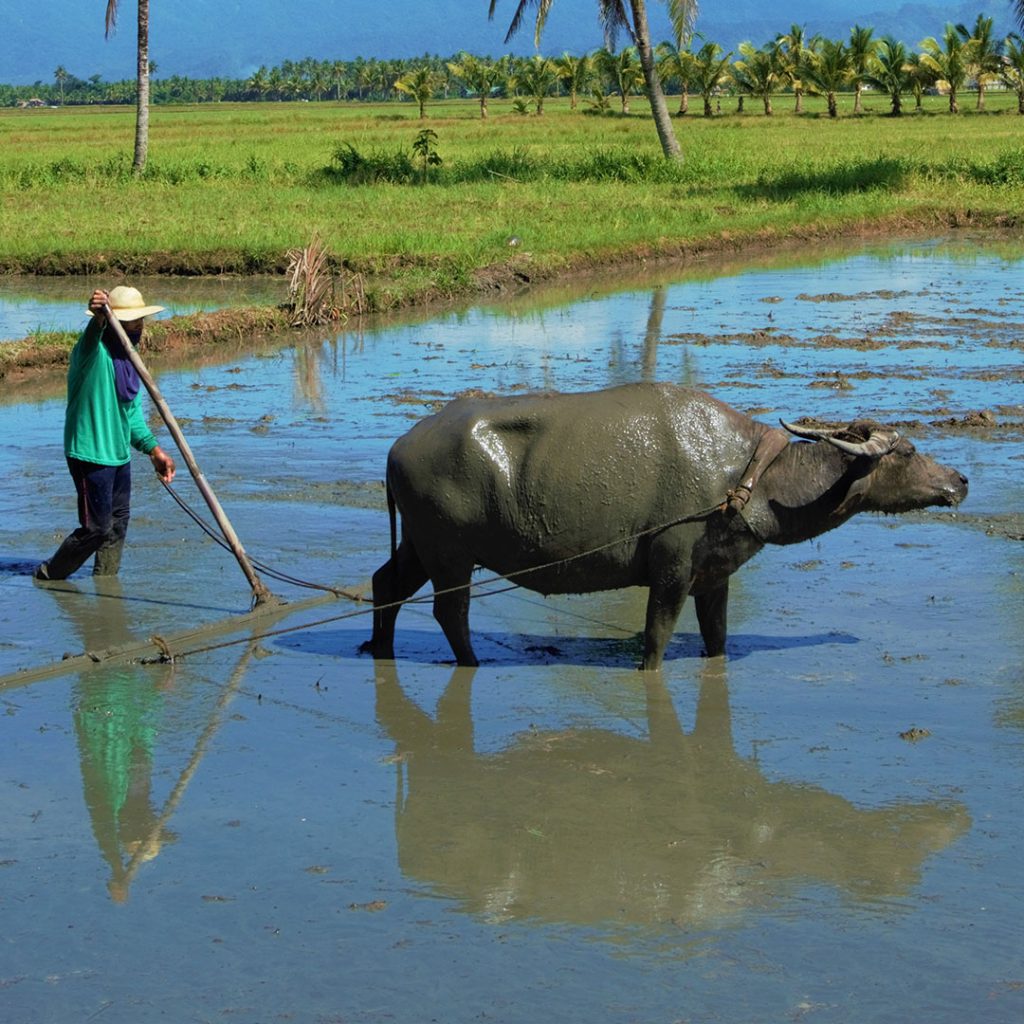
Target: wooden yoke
773, 441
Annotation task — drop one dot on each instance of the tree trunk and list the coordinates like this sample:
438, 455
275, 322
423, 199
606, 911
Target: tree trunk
684, 102
799, 101
981, 97
954, 107
659, 108
483, 106
768, 106
707, 106
856, 98
739, 103
832, 111
142, 97
1020, 103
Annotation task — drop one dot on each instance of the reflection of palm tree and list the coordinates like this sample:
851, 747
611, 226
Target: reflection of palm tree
652, 335
590, 826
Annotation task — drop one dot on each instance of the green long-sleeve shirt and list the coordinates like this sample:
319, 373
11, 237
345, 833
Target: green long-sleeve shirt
98, 426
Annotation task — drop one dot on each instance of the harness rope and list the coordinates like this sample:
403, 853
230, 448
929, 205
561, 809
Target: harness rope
359, 598
769, 446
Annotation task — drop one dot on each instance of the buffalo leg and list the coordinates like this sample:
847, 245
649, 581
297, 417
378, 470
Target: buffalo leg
395, 581
664, 603
712, 606
451, 609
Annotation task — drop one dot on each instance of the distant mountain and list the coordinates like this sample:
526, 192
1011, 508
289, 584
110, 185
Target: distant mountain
230, 38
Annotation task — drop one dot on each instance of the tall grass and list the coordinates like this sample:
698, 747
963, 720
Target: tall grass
236, 187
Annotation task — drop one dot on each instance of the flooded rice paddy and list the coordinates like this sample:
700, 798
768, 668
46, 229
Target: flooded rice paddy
824, 827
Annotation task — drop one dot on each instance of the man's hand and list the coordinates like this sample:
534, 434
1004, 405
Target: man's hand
98, 300
162, 463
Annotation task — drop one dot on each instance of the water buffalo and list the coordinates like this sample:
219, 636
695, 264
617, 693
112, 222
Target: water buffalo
630, 486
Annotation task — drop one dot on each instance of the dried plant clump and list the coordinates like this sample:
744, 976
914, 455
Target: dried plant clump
312, 286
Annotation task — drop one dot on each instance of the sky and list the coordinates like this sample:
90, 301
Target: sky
232, 38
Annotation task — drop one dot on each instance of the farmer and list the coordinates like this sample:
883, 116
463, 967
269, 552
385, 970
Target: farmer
103, 422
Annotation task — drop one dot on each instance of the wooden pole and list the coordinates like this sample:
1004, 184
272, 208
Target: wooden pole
260, 593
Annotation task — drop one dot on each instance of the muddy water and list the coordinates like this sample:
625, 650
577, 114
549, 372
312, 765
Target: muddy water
825, 826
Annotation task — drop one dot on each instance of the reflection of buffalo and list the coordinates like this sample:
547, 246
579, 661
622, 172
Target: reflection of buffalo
591, 826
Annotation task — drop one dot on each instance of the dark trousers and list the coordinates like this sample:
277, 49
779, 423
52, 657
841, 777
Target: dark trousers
104, 495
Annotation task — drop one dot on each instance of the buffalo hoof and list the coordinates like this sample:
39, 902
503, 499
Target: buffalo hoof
379, 651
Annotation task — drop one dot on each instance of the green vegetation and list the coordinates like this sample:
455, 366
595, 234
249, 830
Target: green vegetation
235, 187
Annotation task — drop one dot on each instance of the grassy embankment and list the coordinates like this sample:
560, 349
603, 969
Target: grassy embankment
230, 188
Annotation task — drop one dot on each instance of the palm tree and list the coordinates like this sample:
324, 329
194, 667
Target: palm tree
675, 61
889, 72
828, 71
479, 76
142, 80
537, 77
61, 76
257, 82
862, 52
710, 70
948, 62
575, 74
921, 77
622, 70
983, 57
614, 16
421, 83
1012, 71
792, 52
759, 73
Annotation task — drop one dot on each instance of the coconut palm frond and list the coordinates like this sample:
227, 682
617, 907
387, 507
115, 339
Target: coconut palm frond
111, 18
683, 15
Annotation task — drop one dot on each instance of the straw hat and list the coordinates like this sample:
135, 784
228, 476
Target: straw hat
127, 304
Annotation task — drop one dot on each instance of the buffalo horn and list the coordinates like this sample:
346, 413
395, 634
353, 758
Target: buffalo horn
880, 443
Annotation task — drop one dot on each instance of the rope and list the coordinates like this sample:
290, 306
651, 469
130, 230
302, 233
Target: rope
281, 577
353, 596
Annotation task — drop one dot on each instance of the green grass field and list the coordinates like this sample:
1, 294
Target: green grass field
233, 187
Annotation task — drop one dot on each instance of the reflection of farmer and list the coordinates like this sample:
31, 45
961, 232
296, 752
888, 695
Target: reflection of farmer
116, 722
102, 424
116, 712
